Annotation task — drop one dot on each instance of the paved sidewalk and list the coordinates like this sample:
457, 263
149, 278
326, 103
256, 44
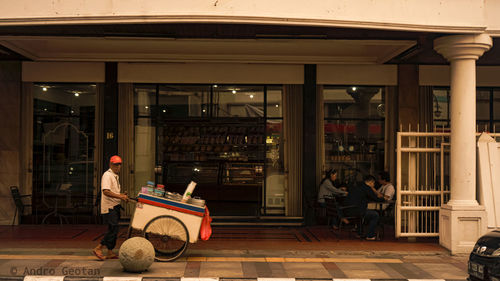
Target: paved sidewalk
248, 253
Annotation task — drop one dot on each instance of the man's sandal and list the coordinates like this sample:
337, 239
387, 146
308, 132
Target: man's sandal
99, 256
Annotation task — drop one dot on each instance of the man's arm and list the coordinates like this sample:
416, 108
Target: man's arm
379, 195
110, 193
106, 188
373, 196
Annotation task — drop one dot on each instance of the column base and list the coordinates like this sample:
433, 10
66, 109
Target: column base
460, 227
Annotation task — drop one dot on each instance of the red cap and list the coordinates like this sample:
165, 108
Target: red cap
115, 159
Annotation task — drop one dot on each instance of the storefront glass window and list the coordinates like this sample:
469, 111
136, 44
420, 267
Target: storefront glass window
145, 132
483, 110
181, 101
275, 178
440, 108
496, 111
354, 131
144, 101
275, 169
63, 148
487, 108
238, 101
274, 105
224, 131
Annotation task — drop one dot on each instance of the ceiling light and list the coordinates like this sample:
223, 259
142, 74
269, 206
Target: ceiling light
44, 89
146, 107
234, 91
277, 105
251, 96
354, 88
164, 111
215, 86
77, 94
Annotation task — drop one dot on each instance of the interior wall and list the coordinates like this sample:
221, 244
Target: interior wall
10, 138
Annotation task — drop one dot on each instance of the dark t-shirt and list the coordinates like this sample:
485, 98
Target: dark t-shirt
359, 195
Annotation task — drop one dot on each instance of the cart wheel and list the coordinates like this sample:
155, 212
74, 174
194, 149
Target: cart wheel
169, 237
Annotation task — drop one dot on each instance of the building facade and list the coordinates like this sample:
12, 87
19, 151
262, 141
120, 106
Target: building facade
261, 97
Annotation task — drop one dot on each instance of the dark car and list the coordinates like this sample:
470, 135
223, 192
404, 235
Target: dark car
484, 260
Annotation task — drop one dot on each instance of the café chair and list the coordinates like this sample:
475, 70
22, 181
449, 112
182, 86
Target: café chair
18, 201
335, 209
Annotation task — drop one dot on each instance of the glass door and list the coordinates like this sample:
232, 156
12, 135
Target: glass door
63, 151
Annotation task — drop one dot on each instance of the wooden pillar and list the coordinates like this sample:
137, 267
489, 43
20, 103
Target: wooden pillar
309, 140
408, 97
110, 121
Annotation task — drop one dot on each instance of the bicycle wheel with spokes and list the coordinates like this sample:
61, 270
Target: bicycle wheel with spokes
169, 237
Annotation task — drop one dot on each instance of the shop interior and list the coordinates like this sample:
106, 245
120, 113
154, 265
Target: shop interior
224, 132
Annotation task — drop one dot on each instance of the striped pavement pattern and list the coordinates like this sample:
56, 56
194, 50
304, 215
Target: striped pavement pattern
111, 278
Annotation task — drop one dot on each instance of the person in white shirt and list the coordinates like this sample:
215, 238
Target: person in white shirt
386, 188
110, 207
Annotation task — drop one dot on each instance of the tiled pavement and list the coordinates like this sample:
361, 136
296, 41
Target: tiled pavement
234, 253
244, 264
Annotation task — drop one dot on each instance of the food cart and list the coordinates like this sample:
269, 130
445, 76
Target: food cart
169, 224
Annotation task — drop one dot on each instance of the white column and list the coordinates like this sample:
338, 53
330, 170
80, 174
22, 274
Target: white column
462, 51
462, 220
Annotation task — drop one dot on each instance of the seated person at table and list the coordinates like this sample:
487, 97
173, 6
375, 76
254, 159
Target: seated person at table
327, 189
386, 187
359, 196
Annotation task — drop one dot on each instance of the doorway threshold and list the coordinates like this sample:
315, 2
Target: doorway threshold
257, 221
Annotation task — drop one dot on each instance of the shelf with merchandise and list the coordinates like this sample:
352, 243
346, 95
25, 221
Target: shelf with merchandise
243, 173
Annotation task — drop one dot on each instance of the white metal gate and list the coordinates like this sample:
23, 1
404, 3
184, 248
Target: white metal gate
422, 184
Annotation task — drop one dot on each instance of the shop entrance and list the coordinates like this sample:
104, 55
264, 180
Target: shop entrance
63, 152
230, 133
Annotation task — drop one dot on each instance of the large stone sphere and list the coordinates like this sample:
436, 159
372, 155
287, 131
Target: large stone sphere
136, 254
